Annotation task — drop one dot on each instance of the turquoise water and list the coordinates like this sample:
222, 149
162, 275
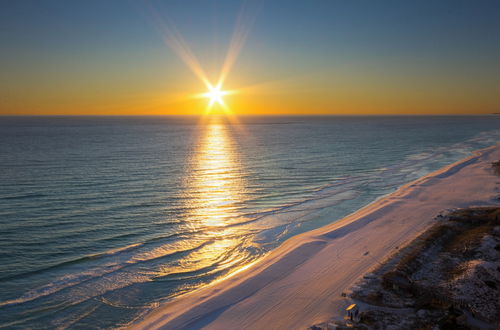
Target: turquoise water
104, 218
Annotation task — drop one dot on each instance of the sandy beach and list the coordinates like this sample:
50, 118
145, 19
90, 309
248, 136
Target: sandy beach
300, 283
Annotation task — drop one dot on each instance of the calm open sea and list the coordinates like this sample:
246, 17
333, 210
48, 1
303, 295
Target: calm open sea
102, 218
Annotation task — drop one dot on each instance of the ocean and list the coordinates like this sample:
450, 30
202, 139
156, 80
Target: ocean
102, 219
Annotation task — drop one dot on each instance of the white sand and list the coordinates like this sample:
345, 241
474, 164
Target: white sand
300, 283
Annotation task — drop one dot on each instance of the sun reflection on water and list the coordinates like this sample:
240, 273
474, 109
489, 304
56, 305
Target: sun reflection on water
216, 181
215, 189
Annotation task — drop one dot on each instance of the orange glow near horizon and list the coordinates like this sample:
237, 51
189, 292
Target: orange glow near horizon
176, 42
211, 81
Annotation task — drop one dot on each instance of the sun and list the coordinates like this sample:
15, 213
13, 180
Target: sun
215, 94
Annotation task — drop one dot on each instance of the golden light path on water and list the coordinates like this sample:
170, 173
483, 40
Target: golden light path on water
214, 183
215, 188
216, 177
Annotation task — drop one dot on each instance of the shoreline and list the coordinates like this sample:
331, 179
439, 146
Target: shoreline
300, 283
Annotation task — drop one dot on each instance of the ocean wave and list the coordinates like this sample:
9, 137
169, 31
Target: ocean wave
129, 235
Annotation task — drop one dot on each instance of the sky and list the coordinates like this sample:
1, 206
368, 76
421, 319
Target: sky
317, 57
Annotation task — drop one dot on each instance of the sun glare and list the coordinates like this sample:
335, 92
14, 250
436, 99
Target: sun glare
181, 48
215, 95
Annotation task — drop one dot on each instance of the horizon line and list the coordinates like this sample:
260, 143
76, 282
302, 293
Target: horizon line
260, 115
